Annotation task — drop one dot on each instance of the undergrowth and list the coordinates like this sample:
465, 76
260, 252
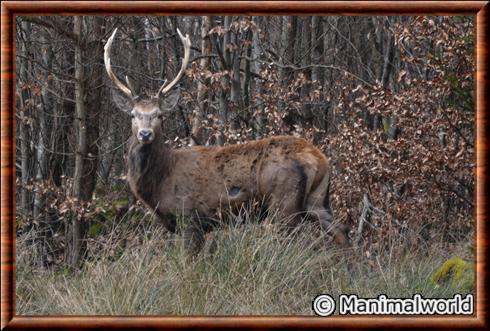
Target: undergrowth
252, 268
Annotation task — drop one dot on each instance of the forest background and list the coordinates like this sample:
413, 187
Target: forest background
390, 101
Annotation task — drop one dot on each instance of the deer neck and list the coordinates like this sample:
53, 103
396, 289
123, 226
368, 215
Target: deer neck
148, 166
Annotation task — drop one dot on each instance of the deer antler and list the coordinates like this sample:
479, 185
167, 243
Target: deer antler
107, 60
187, 50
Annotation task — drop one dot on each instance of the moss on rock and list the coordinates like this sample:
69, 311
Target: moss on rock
457, 272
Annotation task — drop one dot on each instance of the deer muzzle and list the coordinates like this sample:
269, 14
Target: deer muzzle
146, 136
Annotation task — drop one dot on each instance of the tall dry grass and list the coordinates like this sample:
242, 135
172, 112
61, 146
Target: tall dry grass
244, 269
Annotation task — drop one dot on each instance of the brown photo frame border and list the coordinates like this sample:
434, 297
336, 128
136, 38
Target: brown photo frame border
9, 9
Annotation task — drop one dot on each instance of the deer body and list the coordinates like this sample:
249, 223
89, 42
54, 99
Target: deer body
288, 174
205, 179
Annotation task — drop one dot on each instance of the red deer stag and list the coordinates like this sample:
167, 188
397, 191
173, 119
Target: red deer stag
287, 173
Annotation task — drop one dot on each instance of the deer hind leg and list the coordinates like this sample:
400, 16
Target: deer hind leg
287, 198
339, 231
318, 206
285, 212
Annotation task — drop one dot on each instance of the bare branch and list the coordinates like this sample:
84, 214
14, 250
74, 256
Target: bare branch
309, 66
54, 25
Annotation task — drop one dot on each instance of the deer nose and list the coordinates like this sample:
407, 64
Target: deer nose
145, 135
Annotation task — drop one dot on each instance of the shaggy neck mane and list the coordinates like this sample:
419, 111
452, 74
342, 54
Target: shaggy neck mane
149, 165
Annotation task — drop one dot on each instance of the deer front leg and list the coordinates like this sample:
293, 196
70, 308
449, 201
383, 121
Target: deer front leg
194, 236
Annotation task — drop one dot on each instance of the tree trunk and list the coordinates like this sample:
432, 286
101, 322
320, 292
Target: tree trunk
306, 60
162, 46
317, 48
47, 106
225, 83
387, 60
246, 80
202, 86
138, 61
75, 231
88, 77
259, 89
23, 126
236, 91
288, 40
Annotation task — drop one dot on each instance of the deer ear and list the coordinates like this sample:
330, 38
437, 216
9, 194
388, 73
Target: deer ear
169, 101
122, 101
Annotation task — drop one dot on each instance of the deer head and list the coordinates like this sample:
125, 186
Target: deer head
146, 112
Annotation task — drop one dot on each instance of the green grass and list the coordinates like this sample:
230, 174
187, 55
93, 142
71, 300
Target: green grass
244, 269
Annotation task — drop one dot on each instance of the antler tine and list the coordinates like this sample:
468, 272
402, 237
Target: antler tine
107, 61
187, 51
130, 86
